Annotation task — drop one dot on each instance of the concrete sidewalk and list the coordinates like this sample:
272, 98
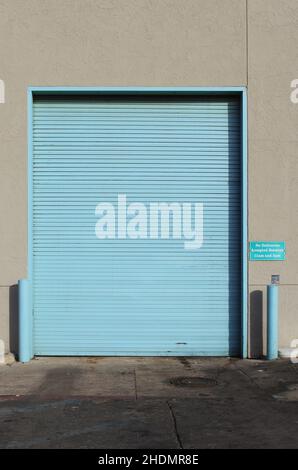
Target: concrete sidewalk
149, 403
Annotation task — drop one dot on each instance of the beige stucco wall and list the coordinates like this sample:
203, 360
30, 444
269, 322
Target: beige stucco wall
158, 43
273, 149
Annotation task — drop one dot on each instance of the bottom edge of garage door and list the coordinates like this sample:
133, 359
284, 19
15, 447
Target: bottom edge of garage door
219, 353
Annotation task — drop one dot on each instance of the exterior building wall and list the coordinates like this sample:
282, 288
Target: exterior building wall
272, 153
159, 43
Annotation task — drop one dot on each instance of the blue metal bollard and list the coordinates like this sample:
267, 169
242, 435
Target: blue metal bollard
25, 321
272, 322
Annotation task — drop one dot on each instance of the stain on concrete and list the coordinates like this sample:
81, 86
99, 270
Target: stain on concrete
185, 362
56, 378
193, 382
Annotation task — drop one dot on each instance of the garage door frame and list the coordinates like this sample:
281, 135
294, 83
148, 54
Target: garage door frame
26, 319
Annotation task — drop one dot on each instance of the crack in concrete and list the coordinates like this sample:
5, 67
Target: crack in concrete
251, 379
177, 435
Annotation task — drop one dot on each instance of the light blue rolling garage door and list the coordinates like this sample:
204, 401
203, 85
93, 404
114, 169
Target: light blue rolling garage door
165, 281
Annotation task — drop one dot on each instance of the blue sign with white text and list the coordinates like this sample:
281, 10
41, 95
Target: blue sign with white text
267, 251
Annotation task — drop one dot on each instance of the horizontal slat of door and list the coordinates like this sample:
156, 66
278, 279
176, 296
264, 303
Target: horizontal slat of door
135, 297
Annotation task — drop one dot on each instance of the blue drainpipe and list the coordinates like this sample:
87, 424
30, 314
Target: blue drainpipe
272, 322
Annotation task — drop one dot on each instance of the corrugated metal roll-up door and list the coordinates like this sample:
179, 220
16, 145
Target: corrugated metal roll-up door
125, 295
